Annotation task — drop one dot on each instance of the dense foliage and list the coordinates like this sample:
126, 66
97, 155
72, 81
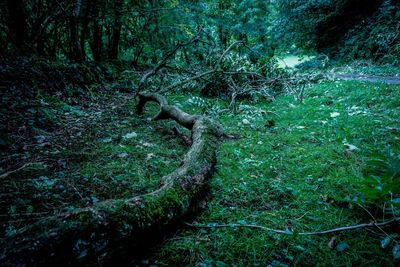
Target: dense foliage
142, 32
349, 29
139, 31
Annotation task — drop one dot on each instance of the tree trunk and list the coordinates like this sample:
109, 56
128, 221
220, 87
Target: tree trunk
17, 25
83, 235
116, 32
75, 48
97, 42
87, 6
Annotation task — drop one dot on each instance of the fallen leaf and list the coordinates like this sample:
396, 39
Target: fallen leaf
392, 129
335, 114
40, 138
385, 242
148, 144
123, 155
342, 247
130, 135
350, 147
332, 242
396, 252
245, 121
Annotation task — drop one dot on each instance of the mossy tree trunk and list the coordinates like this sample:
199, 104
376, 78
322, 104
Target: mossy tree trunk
89, 233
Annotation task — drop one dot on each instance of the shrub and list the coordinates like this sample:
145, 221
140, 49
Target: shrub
381, 184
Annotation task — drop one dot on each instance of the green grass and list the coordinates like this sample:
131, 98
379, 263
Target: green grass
293, 175
290, 168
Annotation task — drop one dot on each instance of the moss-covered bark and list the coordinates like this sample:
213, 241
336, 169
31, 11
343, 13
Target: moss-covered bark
92, 232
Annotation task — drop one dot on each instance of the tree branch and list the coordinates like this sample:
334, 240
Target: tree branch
164, 61
254, 226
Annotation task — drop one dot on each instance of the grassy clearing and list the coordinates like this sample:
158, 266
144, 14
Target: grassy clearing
293, 170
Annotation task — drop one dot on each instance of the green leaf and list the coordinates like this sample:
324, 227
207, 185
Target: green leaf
288, 231
341, 247
396, 252
385, 242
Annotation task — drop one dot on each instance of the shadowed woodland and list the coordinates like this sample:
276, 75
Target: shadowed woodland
200, 133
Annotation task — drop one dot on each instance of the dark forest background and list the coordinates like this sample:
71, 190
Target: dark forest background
142, 32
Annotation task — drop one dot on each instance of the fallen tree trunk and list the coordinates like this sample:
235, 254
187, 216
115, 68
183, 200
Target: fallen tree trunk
89, 233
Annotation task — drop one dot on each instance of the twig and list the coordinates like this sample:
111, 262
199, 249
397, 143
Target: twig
244, 73
254, 226
24, 214
179, 83
77, 191
164, 61
352, 227
200, 76
4, 175
373, 218
226, 51
302, 216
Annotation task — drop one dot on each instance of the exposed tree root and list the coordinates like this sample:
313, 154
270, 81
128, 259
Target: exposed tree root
5, 174
91, 233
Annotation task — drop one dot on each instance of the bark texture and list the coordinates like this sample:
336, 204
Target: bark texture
92, 233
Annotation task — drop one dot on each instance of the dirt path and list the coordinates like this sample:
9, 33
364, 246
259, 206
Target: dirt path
367, 78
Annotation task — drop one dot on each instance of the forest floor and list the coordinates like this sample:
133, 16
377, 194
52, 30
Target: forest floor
296, 166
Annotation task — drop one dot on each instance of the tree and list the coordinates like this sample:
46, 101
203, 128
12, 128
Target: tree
76, 53
116, 31
17, 25
320, 25
97, 34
